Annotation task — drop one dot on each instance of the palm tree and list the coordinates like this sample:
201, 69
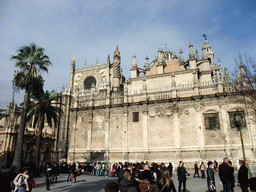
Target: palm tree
43, 107
30, 60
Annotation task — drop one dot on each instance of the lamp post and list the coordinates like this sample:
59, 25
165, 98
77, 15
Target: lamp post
238, 120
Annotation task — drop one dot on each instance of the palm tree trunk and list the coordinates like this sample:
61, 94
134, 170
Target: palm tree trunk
17, 161
38, 142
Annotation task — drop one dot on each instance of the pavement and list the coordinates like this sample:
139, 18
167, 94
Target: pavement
97, 183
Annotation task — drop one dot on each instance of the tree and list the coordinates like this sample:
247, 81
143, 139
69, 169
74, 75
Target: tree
31, 61
245, 77
43, 107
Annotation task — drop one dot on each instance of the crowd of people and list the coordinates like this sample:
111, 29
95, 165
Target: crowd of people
139, 177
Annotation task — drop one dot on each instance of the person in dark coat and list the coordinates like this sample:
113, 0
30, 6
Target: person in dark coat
55, 170
243, 176
196, 170
182, 176
170, 168
127, 183
233, 178
226, 176
210, 177
48, 174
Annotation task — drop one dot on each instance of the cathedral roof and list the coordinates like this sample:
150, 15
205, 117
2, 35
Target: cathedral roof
170, 66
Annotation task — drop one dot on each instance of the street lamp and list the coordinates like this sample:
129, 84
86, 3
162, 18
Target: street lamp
238, 121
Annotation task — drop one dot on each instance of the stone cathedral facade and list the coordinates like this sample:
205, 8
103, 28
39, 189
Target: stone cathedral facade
170, 110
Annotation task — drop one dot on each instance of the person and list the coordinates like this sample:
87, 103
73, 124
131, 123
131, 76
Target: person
165, 183
233, 178
202, 168
21, 181
250, 175
225, 174
98, 167
69, 174
243, 176
48, 174
182, 176
215, 165
127, 183
73, 172
54, 173
170, 167
210, 177
145, 177
31, 182
111, 186
196, 170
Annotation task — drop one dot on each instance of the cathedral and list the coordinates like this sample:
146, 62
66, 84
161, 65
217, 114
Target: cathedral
168, 111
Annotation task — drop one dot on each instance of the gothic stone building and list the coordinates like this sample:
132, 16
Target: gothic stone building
170, 110
9, 127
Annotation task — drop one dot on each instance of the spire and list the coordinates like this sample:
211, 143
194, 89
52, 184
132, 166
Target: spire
147, 63
116, 64
116, 53
181, 56
108, 59
97, 61
204, 53
73, 62
238, 77
85, 63
160, 58
191, 52
197, 56
134, 62
242, 72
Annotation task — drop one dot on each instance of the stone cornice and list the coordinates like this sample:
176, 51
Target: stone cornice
164, 74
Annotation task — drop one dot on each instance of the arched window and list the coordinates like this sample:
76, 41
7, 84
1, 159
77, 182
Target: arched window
89, 83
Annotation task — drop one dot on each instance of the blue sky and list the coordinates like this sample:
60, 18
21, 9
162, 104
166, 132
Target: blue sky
91, 29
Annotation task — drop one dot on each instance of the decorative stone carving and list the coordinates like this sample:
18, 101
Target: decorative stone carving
168, 112
159, 112
186, 111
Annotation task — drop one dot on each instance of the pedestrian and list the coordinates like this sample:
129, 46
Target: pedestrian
202, 169
210, 177
196, 170
31, 182
215, 165
48, 174
225, 174
170, 168
69, 174
165, 183
54, 173
233, 178
21, 181
98, 167
182, 176
243, 176
250, 174
73, 172
127, 183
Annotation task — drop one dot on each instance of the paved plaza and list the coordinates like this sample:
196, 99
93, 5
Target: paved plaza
97, 183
